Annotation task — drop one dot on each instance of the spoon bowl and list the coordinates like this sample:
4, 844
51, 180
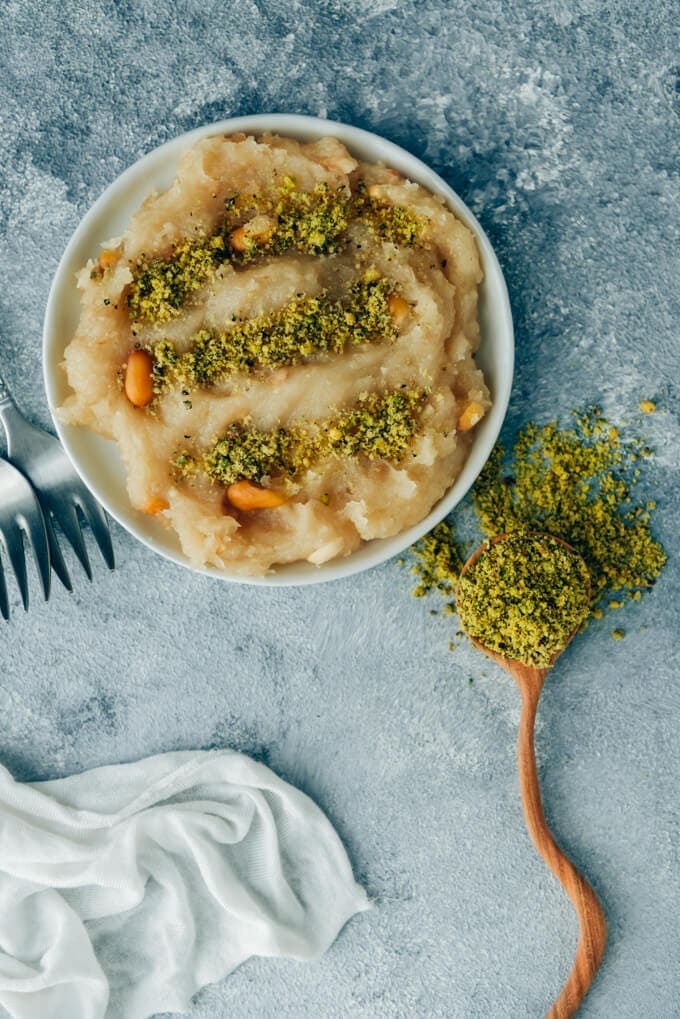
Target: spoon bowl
592, 922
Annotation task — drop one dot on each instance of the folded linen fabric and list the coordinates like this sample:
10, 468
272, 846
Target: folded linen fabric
125, 889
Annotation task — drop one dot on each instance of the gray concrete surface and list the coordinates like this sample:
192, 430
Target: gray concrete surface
558, 124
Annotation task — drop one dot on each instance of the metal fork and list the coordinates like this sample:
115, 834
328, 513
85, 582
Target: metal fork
63, 495
21, 515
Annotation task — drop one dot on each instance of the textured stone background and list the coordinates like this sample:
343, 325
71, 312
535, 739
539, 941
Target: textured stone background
558, 124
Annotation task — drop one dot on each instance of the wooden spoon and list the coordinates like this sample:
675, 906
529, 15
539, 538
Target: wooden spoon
592, 923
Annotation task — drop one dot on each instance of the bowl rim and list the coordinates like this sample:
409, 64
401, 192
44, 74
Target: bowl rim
302, 127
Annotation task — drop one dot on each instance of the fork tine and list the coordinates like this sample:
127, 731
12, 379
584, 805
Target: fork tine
14, 543
58, 561
99, 526
37, 539
70, 525
4, 600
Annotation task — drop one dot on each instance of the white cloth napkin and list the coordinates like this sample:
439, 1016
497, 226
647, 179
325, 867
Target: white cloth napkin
125, 889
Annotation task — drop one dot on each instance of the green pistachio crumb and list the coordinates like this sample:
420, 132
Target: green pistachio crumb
438, 562
524, 597
161, 286
305, 327
313, 222
380, 426
393, 223
577, 483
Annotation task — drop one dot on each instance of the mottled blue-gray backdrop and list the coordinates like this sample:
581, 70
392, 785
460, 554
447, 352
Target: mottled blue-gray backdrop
558, 124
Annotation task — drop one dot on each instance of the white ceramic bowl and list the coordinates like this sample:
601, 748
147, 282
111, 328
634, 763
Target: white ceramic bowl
97, 460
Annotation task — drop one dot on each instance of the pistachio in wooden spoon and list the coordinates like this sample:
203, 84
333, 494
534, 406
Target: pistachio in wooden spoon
523, 596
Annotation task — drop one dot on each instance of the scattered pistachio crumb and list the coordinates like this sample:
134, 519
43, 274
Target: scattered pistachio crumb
577, 483
618, 634
438, 562
647, 406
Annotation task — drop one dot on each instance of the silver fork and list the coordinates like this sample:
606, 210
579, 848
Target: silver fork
21, 515
63, 495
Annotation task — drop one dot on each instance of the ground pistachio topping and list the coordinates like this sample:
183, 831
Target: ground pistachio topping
314, 222
577, 483
304, 327
256, 225
379, 427
387, 222
161, 286
524, 597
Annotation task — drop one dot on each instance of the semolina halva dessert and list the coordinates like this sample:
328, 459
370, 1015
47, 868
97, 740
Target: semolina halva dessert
281, 344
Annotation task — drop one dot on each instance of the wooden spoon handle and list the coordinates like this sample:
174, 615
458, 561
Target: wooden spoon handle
592, 923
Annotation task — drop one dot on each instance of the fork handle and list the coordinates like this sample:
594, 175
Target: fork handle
7, 405
11, 417
5, 395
